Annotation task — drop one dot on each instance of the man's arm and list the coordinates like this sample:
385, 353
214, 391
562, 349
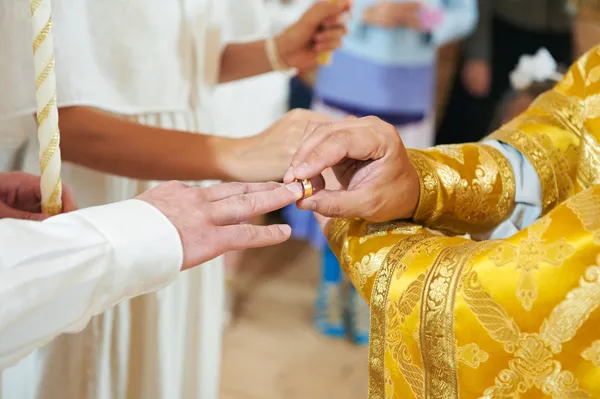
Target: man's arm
57, 274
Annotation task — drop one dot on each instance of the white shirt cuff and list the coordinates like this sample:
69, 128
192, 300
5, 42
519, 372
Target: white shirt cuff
147, 246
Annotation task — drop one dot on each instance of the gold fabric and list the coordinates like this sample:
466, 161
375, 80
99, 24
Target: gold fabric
464, 188
515, 318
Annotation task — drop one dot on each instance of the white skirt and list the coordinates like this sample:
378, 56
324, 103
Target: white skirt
163, 345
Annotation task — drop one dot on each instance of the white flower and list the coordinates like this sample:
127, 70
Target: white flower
534, 68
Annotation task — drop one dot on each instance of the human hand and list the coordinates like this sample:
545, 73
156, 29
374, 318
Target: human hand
210, 220
378, 180
390, 14
477, 77
20, 197
320, 29
267, 155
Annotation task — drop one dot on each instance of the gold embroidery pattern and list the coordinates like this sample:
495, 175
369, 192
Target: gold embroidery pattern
533, 364
374, 230
338, 230
586, 207
569, 110
457, 203
396, 315
378, 339
367, 267
593, 353
436, 329
538, 158
528, 256
452, 151
589, 162
429, 185
378, 315
471, 355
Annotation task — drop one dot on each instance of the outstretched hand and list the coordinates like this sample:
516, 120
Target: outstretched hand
20, 197
378, 181
210, 220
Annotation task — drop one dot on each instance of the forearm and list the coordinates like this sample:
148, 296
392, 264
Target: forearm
107, 143
55, 275
243, 60
467, 188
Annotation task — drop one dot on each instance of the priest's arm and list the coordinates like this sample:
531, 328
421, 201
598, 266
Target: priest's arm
509, 318
451, 317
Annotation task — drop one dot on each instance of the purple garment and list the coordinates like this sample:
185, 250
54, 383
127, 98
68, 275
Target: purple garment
373, 88
304, 226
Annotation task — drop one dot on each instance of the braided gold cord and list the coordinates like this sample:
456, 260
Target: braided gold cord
47, 110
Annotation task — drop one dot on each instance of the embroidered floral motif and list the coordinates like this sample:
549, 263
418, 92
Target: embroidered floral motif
529, 255
471, 355
592, 353
534, 364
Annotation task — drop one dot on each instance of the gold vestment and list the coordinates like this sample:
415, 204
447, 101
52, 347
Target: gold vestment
512, 318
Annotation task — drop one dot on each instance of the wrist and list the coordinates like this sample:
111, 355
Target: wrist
282, 50
227, 157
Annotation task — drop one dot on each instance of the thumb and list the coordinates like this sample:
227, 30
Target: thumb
11, 213
322, 10
339, 203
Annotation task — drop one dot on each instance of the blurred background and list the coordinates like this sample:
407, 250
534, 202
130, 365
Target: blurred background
442, 77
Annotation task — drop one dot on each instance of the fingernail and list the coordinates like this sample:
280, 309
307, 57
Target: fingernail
289, 175
285, 229
296, 188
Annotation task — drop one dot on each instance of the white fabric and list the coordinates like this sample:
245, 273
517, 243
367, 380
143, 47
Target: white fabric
157, 62
128, 57
161, 345
56, 274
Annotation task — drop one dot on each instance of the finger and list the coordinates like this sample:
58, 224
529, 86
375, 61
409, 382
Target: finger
338, 203
68, 199
240, 208
319, 133
11, 213
313, 139
330, 35
340, 144
322, 11
225, 190
328, 46
246, 236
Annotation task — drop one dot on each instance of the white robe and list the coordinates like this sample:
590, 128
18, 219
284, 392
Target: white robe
156, 62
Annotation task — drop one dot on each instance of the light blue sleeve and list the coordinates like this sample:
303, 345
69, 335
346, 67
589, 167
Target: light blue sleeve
528, 195
460, 19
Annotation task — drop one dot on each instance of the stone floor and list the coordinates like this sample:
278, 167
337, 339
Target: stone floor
271, 350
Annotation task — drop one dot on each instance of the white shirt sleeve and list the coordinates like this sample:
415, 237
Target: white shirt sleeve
528, 195
55, 275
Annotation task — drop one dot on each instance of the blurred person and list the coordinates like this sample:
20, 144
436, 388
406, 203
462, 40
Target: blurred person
135, 86
56, 274
506, 30
512, 312
385, 67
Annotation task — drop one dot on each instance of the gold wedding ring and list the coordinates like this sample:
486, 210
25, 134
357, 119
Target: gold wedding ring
307, 188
